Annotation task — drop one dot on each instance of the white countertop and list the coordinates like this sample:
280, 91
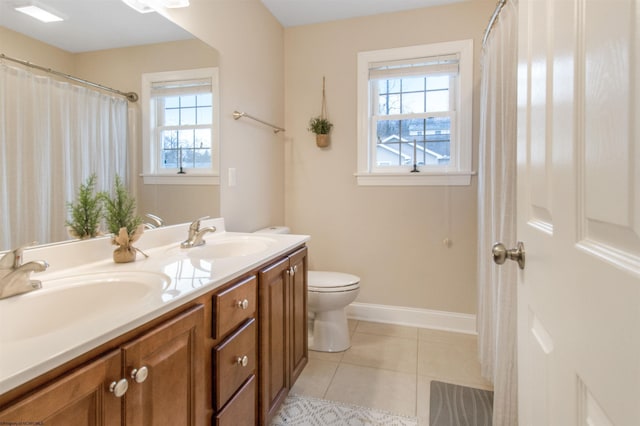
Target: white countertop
23, 358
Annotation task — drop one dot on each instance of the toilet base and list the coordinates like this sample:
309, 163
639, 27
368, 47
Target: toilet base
329, 331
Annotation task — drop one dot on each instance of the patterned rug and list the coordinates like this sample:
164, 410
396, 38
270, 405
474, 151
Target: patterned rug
306, 411
455, 405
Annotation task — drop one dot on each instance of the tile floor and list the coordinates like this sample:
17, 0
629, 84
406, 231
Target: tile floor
390, 367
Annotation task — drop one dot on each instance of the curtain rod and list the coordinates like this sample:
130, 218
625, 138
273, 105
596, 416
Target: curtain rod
492, 21
238, 114
131, 96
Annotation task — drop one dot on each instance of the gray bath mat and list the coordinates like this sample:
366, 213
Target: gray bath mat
455, 405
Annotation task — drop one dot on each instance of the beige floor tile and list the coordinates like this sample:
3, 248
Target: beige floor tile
389, 353
374, 388
315, 378
447, 336
326, 356
352, 324
453, 363
423, 397
387, 329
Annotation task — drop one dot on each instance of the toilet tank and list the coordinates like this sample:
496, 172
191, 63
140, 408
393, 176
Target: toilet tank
274, 230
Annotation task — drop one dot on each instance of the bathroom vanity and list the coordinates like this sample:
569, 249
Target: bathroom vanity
219, 337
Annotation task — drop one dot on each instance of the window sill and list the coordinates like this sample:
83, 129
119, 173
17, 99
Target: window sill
414, 179
177, 179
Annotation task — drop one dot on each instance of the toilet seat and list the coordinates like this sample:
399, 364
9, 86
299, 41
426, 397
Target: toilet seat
332, 282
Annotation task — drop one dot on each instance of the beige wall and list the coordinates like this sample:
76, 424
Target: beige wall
392, 237
250, 44
18, 46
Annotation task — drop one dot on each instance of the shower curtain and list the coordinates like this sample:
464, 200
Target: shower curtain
53, 136
497, 286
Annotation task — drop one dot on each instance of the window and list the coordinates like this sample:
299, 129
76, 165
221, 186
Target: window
415, 115
180, 134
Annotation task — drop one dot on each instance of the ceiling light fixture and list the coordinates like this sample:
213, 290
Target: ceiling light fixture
39, 13
146, 6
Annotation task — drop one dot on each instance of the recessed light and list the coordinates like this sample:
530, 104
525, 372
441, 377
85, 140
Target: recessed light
139, 6
146, 6
39, 14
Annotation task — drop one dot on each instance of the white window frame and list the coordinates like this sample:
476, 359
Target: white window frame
152, 172
458, 171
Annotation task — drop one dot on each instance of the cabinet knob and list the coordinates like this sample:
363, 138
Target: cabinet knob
140, 374
242, 304
242, 361
119, 388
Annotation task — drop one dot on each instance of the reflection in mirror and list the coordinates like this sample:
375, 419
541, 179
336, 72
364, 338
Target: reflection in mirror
121, 68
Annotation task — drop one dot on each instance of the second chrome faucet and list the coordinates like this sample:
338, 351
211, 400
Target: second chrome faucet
196, 234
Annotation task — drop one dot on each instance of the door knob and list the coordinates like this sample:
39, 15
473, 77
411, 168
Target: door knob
501, 254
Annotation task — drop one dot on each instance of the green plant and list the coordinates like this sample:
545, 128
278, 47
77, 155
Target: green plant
120, 210
320, 125
85, 211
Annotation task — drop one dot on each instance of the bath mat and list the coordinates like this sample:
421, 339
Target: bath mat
455, 405
306, 411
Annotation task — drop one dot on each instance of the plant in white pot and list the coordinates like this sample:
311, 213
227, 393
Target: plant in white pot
321, 127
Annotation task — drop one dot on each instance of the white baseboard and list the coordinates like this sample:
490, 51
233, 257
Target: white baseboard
414, 317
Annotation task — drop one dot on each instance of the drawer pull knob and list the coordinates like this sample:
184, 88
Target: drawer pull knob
242, 361
242, 304
140, 374
119, 388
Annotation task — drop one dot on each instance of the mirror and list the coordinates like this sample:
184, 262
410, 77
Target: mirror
113, 46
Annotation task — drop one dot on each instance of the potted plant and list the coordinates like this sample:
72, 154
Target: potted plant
122, 222
321, 127
85, 212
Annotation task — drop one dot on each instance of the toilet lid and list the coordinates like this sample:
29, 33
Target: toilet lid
324, 281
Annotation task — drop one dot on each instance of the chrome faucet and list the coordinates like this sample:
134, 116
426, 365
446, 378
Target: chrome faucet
157, 221
14, 275
196, 235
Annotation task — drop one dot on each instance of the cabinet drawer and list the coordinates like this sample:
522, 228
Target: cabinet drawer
233, 306
234, 362
241, 410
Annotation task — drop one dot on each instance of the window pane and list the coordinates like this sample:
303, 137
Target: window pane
438, 101
202, 158
187, 101
204, 115
438, 82
171, 117
399, 140
413, 103
172, 102
202, 138
186, 138
187, 116
204, 100
413, 84
169, 139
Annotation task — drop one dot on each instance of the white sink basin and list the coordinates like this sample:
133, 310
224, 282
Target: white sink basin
64, 301
230, 247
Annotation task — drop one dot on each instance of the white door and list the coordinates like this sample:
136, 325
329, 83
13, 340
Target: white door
579, 212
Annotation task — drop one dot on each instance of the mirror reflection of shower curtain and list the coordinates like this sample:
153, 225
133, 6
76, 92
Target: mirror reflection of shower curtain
53, 136
497, 286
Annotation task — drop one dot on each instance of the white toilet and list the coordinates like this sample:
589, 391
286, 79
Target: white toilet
328, 294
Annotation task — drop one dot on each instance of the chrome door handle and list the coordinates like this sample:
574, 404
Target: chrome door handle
501, 254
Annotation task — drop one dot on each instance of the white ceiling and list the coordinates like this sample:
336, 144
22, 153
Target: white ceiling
91, 25
103, 24
292, 13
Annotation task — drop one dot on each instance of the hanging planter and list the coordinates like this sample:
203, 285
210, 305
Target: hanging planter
321, 125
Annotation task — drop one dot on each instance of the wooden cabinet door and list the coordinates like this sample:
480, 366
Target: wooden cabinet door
273, 338
173, 391
298, 314
79, 398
